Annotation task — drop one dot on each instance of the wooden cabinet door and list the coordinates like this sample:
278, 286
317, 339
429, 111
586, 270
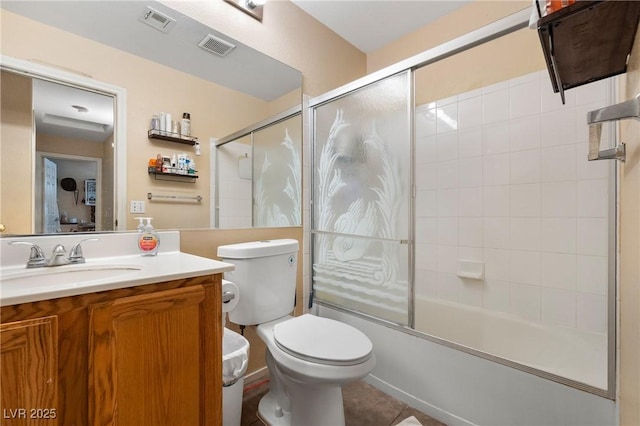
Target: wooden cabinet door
29, 372
154, 360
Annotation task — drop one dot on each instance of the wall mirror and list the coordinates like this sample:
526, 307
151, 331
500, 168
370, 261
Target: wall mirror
244, 76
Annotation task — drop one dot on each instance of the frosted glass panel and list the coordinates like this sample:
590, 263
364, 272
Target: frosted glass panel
277, 172
361, 200
374, 282
362, 146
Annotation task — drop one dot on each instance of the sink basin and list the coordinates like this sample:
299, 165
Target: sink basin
68, 274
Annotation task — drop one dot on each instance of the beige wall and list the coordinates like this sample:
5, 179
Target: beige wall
205, 243
629, 280
15, 167
289, 35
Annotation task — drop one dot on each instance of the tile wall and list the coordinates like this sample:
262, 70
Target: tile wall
234, 192
502, 178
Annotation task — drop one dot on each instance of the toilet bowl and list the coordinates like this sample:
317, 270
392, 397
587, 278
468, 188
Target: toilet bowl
309, 359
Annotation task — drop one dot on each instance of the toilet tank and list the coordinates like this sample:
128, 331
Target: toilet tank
265, 273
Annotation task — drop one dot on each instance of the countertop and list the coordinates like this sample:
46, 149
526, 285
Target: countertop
99, 273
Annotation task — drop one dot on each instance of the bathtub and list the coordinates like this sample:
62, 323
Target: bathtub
566, 352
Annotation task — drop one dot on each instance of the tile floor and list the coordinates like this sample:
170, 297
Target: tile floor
364, 406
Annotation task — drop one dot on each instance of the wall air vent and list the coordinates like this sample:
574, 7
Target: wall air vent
216, 45
157, 20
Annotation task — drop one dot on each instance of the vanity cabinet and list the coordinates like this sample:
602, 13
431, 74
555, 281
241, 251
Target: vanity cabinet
28, 360
146, 355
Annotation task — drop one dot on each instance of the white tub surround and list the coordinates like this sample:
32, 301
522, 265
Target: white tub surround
114, 252
458, 388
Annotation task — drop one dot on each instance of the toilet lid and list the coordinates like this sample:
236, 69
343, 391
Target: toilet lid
322, 340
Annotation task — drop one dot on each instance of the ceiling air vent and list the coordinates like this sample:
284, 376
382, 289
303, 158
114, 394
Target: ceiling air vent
216, 45
157, 20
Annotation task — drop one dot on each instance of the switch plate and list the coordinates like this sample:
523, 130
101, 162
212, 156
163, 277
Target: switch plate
137, 207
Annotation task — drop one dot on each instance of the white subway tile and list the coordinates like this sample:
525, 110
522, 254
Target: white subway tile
447, 231
496, 201
496, 232
525, 78
447, 118
525, 200
426, 283
447, 286
425, 121
525, 166
593, 198
593, 236
496, 169
470, 202
524, 133
525, 301
470, 292
497, 295
448, 203
426, 232
593, 274
447, 101
470, 113
470, 143
497, 263
470, 94
591, 169
426, 204
426, 150
558, 199
525, 98
470, 233
558, 235
447, 174
447, 146
595, 92
471, 253
426, 177
559, 307
495, 106
559, 127
470, 172
524, 267
558, 270
592, 313
525, 233
550, 101
427, 256
447, 259
495, 138
558, 163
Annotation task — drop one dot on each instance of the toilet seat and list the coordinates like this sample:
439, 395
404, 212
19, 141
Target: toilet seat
322, 340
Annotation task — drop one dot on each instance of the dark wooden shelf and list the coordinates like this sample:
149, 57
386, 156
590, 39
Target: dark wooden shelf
588, 41
172, 137
175, 177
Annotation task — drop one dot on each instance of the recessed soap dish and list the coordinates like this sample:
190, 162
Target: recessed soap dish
471, 269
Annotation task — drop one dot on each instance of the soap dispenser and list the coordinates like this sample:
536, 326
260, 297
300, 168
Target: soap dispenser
148, 240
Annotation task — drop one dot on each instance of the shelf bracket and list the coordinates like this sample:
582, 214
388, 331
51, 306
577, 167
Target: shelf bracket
627, 109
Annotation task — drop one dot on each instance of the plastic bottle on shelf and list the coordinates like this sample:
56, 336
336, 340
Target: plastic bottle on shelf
148, 240
185, 129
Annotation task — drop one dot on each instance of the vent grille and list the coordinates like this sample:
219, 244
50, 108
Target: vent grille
157, 20
216, 45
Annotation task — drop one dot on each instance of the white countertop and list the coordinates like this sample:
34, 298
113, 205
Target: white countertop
99, 273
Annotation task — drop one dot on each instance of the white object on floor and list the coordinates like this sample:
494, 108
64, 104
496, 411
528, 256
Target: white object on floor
410, 421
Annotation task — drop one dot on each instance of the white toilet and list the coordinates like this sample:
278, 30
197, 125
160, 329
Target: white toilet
309, 358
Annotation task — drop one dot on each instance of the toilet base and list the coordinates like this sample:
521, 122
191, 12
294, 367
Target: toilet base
312, 406
267, 412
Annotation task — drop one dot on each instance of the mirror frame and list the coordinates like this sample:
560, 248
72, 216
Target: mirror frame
35, 70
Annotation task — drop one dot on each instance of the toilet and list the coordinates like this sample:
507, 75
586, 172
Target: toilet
309, 358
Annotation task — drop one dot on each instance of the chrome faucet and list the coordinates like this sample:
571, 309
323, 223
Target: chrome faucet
37, 258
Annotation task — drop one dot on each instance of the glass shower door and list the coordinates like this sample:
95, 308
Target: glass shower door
361, 200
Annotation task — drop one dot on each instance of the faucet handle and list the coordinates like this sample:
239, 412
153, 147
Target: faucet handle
75, 254
36, 257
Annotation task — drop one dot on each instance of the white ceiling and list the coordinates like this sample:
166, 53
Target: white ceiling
372, 24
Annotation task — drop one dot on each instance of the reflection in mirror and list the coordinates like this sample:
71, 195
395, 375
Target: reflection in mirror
222, 94
259, 174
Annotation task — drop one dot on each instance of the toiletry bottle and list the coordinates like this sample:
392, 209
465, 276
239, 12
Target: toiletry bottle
159, 163
185, 129
140, 226
155, 122
167, 123
148, 240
